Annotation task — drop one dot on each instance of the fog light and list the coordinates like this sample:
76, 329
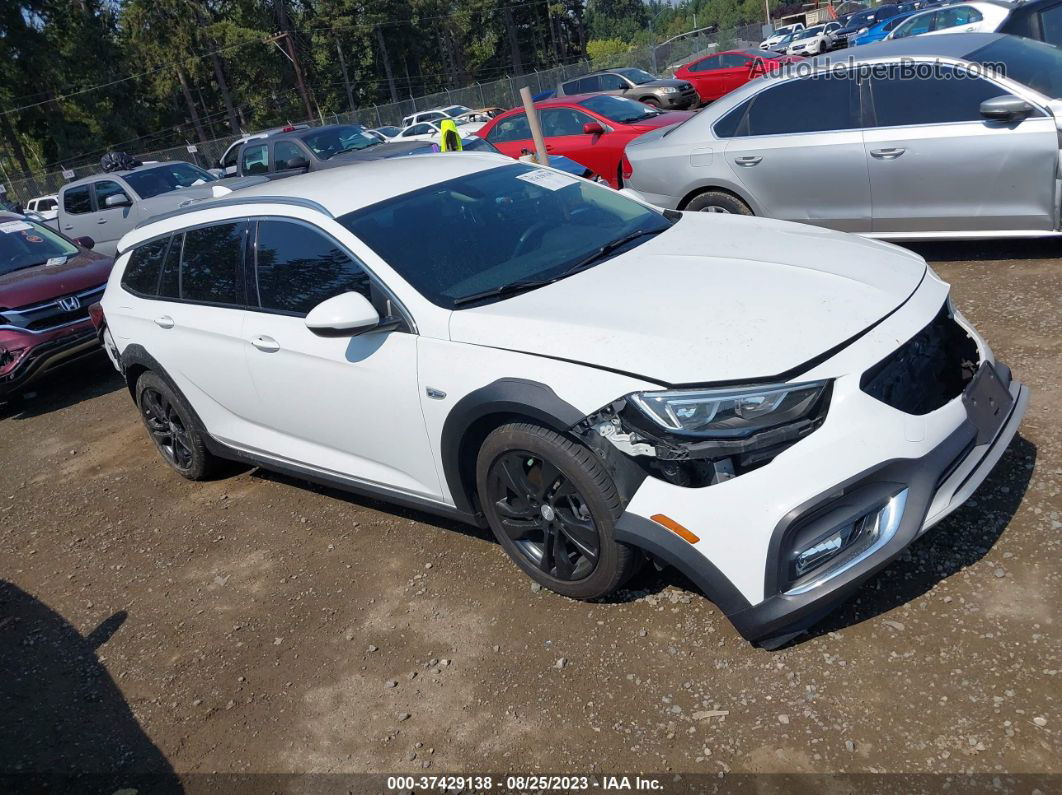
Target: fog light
857, 540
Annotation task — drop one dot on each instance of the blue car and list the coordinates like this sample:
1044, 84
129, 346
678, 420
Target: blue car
882, 29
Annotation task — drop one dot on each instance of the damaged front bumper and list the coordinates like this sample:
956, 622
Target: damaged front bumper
856, 491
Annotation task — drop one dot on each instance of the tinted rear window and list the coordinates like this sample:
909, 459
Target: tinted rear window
210, 264
142, 272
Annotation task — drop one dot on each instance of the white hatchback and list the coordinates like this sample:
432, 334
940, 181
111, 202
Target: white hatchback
775, 409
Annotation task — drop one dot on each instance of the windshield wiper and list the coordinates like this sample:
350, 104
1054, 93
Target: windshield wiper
512, 288
607, 250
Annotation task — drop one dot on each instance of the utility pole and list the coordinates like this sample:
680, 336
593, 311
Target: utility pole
298, 75
183, 80
514, 44
387, 64
346, 77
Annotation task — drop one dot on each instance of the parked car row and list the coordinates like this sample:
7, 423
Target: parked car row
955, 153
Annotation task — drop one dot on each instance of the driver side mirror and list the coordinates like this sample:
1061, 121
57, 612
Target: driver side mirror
1005, 108
298, 163
347, 314
85, 242
117, 200
593, 128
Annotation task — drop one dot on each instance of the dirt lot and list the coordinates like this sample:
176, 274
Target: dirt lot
257, 624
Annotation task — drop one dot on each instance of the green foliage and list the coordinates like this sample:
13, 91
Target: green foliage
80, 77
601, 49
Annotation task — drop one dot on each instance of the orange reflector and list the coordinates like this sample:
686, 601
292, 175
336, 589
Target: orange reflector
674, 527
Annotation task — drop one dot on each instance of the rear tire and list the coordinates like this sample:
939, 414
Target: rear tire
553, 507
716, 201
169, 422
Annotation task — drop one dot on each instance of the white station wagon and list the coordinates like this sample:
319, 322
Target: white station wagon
775, 409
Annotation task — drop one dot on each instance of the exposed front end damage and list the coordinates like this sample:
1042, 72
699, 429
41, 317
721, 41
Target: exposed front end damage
687, 460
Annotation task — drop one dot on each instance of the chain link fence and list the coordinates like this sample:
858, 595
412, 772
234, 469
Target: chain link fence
504, 93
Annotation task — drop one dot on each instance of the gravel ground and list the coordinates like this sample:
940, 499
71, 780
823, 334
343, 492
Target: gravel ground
258, 624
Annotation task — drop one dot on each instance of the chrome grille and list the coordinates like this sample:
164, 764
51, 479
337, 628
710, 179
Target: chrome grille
65, 310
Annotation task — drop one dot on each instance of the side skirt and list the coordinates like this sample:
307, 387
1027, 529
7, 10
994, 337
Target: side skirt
222, 450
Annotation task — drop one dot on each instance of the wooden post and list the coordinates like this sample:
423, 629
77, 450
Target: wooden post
536, 128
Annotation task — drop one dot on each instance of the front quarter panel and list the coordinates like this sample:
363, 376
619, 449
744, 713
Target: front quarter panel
457, 370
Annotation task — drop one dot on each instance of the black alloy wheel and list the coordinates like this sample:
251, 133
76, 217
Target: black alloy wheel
166, 428
543, 513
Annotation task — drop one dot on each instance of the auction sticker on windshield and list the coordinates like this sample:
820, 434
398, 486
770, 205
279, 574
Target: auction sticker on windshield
550, 180
14, 226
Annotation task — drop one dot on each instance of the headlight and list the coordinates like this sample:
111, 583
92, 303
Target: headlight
669, 90
729, 413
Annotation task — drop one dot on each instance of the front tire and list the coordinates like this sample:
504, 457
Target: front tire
168, 420
553, 507
652, 102
716, 201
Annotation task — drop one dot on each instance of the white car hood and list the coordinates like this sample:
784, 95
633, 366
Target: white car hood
715, 298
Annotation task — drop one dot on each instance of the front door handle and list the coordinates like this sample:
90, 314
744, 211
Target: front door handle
751, 160
164, 322
266, 344
887, 154
101, 221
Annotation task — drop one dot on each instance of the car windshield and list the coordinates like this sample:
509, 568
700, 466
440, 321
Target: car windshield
807, 34
619, 109
456, 110
24, 244
485, 235
637, 76
330, 141
390, 132
151, 182
1033, 63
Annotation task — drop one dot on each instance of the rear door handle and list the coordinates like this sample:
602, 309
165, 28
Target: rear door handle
887, 154
751, 160
101, 221
164, 322
266, 344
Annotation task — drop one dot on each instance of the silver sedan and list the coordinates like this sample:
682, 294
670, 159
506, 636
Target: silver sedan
903, 140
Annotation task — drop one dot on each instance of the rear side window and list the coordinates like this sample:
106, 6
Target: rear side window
953, 17
707, 64
812, 104
297, 268
931, 100
210, 264
77, 200
141, 276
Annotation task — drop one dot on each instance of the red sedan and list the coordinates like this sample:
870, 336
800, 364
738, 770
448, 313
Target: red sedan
722, 72
591, 129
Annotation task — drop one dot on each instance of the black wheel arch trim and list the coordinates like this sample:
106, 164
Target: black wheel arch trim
661, 543
136, 356
506, 397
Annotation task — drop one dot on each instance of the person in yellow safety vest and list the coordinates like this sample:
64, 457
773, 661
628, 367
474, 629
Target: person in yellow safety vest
449, 137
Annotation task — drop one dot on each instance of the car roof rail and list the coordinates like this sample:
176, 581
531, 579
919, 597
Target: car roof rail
209, 204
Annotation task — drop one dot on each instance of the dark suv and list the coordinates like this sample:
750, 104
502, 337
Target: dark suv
858, 23
47, 282
635, 84
316, 149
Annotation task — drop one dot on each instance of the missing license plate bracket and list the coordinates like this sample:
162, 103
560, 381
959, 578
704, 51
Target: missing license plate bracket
987, 402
